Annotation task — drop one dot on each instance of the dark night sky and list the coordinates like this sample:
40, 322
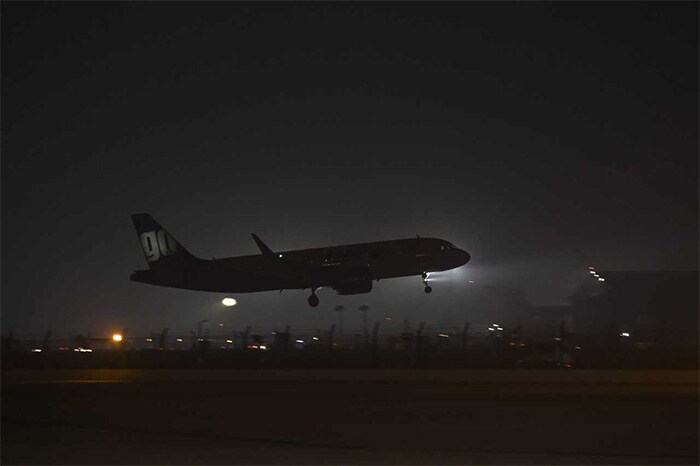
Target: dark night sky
539, 137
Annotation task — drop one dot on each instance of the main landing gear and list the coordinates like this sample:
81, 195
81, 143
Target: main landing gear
313, 299
428, 288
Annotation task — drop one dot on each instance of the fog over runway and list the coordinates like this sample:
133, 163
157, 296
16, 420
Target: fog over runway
351, 416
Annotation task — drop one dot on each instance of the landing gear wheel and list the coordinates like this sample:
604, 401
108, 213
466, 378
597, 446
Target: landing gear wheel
313, 300
428, 289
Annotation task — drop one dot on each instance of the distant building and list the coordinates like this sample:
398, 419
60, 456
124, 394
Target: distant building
486, 304
649, 306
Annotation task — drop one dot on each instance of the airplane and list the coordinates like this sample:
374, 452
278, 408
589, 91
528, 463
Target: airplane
348, 269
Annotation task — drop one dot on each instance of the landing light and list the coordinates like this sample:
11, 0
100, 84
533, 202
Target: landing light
600, 279
624, 334
117, 337
280, 255
228, 302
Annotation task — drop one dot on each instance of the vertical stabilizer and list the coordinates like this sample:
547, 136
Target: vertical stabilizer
161, 249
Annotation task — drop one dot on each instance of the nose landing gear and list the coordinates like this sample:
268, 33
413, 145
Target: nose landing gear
313, 299
428, 288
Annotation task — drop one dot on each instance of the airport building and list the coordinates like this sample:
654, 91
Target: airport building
654, 307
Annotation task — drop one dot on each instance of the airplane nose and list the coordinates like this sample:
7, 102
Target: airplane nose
464, 257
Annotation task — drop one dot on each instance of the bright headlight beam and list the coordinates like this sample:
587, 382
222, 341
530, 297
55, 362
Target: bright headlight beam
228, 302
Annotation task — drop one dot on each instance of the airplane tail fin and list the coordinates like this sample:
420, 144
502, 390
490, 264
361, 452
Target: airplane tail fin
161, 249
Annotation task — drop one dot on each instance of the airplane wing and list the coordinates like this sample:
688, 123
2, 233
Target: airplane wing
343, 276
339, 276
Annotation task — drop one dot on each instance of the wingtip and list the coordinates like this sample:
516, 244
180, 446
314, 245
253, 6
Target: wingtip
261, 245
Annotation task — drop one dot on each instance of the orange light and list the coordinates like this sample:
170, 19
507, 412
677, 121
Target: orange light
117, 337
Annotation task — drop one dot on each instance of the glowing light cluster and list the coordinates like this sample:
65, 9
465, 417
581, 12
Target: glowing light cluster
228, 302
595, 274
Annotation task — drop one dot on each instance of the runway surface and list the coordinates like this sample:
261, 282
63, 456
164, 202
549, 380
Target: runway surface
349, 416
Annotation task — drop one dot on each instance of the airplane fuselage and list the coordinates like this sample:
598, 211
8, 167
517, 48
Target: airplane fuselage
311, 268
349, 269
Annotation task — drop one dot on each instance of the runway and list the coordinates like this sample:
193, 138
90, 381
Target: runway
349, 416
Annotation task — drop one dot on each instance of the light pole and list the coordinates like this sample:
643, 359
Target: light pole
230, 302
200, 337
364, 308
339, 309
